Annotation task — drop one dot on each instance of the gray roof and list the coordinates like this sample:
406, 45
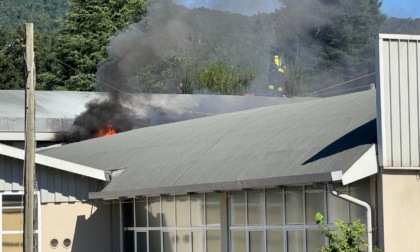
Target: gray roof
279, 145
56, 110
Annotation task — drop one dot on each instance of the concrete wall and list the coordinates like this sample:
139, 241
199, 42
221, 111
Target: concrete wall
87, 225
399, 216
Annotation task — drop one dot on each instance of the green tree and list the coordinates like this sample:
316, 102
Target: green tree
220, 78
333, 38
44, 14
12, 61
83, 40
12, 58
295, 77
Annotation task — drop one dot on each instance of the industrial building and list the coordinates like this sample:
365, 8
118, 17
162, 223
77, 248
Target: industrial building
250, 180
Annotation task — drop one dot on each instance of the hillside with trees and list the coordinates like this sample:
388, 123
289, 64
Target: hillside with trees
45, 14
119, 45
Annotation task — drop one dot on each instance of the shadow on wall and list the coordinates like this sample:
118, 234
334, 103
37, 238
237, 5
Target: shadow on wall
93, 232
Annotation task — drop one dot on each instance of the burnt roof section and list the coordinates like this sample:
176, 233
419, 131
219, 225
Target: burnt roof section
278, 145
57, 110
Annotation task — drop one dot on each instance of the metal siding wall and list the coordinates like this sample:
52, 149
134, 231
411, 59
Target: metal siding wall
414, 98
400, 94
55, 186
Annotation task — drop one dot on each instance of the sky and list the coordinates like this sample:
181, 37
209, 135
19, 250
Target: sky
392, 8
401, 8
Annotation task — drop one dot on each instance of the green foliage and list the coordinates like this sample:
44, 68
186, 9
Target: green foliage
12, 62
45, 14
295, 77
346, 239
220, 78
82, 43
325, 42
334, 39
401, 26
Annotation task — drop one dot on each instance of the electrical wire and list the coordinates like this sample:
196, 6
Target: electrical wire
117, 89
17, 41
343, 90
341, 83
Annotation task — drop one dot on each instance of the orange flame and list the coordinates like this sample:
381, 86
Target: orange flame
105, 132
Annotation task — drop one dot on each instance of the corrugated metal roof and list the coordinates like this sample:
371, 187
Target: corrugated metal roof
293, 143
56, 110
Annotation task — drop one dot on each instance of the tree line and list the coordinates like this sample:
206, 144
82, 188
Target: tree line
151, 46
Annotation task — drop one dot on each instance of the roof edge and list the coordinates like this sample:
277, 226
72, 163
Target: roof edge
54, 163
220, 186
20, 136
365, 166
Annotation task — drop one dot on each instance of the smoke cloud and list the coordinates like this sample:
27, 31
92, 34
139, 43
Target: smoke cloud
171, 33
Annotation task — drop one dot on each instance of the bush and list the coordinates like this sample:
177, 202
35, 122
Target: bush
346, 238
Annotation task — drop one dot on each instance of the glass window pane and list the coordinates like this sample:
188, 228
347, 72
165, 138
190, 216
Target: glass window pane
12, 242
36, 220
128, 215
212, 208
13, 200
274, 206
315, 239
168, 241
337, 208
141, 213
197, 210
183, 240
182, 203
213, 241
275, 241
168, 211
256, 241
154, 241
294, 205
237, 208
154, 211
141, 242
128, 240
12, 219
256, 207
238, 240
360, 190
314, 202
198, 241
295, 241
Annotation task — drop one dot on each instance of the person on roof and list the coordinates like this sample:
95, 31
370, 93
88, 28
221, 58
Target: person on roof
276, 78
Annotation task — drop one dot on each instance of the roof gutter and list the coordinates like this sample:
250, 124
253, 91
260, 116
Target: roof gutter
353, 200
220, 186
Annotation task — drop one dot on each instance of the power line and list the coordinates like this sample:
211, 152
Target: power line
342, 83
117, 89
17, 41
344, 90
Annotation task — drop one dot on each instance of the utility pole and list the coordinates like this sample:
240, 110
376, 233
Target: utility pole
28, 237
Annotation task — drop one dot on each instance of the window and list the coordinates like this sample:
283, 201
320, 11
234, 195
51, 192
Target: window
260, 220
283, 219
12, 221
172, 223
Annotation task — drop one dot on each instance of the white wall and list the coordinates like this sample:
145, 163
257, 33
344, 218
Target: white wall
87, 225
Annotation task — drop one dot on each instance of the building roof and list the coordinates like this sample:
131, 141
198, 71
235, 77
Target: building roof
55, 163
298, 143
56, 110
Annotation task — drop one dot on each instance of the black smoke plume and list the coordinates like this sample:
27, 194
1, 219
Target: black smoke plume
101, 114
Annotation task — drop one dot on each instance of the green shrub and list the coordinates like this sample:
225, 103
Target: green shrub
346, 239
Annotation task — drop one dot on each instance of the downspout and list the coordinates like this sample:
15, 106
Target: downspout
346, 197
